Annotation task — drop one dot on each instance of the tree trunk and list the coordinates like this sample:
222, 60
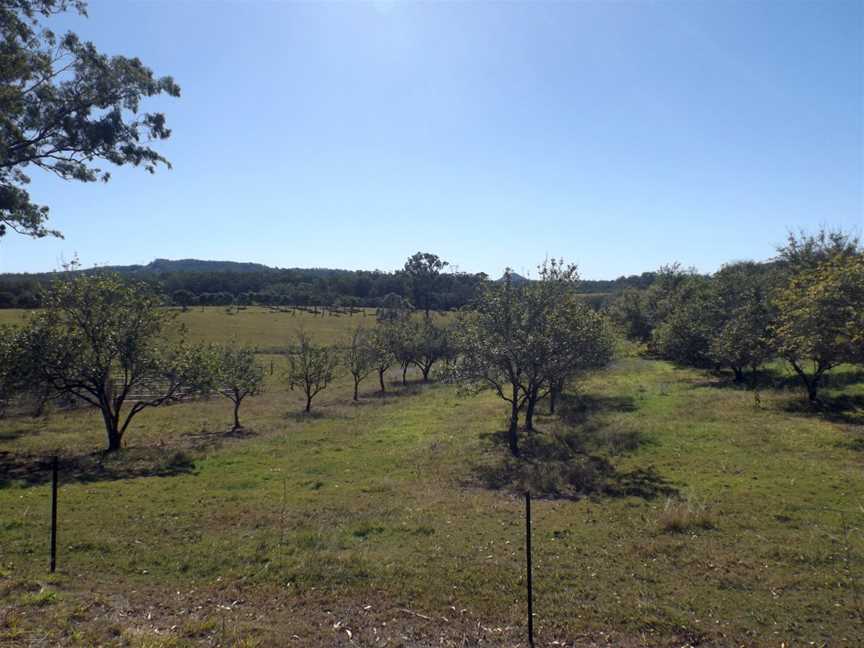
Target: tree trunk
812, 389
404, 372
553, 394
356, 387
114, 440
308, 403
811, 384
381, 380
115, 436
237, 425
739, 374
529, 410
513, 432
426, 369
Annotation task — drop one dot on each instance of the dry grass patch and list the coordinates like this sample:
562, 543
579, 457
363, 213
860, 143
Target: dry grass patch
685, 515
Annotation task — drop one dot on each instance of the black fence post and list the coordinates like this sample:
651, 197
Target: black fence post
54, 514
528, 568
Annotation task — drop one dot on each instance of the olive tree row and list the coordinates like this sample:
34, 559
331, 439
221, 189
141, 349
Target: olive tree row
107, 342
803, 307
402, 340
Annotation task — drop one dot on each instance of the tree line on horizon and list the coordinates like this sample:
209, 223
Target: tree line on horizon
301, 287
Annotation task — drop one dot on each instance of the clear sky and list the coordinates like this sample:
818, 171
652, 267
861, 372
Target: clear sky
620, 135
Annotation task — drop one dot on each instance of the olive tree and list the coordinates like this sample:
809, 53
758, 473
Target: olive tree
431, 343
686, 319
819, 318
311, 367
489, 350
381, 354
358, 356
236, 374
103, 340
562, 337
401, 338
741, 339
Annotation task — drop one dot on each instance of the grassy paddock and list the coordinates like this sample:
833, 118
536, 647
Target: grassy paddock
670, 511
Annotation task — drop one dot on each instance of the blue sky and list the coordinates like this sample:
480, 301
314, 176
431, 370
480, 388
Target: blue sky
619, 135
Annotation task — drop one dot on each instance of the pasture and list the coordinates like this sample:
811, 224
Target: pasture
671, 510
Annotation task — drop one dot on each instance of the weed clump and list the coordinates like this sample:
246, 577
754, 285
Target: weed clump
684, 515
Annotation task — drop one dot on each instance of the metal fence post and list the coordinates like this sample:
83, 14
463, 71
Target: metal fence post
54, 514
528, 568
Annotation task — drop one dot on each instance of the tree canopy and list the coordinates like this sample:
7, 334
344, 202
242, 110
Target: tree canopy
64, 106
102, 340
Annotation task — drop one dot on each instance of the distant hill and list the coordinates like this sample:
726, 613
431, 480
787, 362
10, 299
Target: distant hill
515, 278
163, 266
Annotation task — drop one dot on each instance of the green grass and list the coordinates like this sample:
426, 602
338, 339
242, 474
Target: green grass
704, 519
257, 326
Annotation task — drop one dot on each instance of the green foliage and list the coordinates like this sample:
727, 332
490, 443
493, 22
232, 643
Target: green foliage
561, 336
684, 316
183, 298
311, 367
803, 252
431, 343
64, 105
523, 341
359, 355
629, 310
235, 374
101, 339
381, 352
741, 338
423, 270
821, 316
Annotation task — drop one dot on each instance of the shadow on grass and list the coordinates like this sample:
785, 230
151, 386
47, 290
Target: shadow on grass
208, 440
395, 390
568, 475
773, 378
570, 460
34, 470
837, 408
844, 408
18, 432
577, 409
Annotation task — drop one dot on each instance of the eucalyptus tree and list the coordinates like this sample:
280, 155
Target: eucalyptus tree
64, 106
311, 366
104, 340
423, 270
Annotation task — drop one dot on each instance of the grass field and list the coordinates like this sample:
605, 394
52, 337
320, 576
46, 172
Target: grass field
670, 511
